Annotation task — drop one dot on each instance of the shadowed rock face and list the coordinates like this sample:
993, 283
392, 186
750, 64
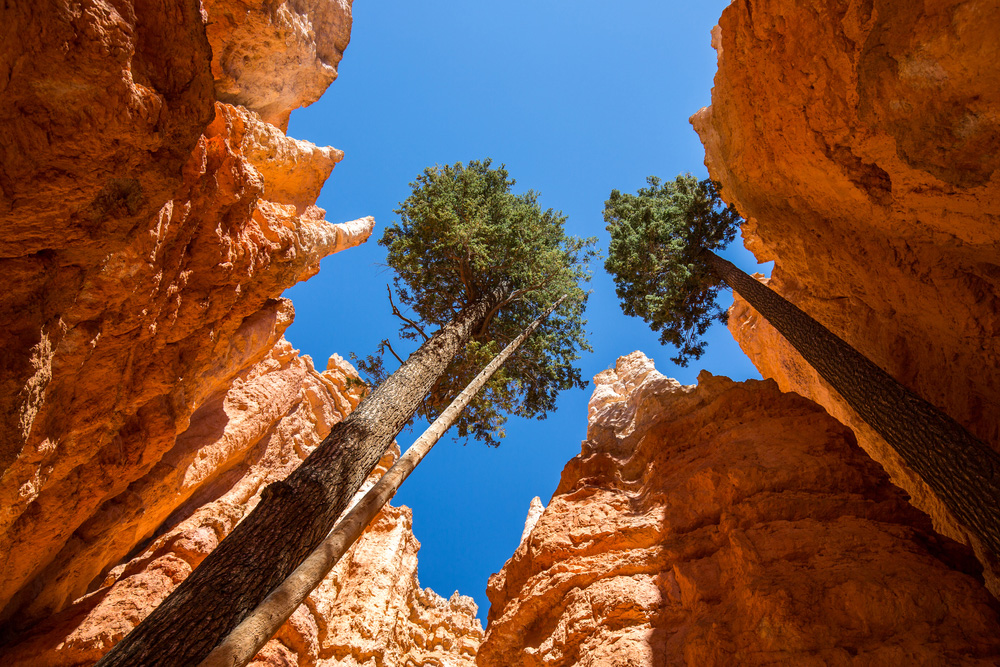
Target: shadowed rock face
153, 211
146, 233
730, 523
274, 414
861, 141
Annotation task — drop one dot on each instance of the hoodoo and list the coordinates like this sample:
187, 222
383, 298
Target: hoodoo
730, 523
862, 144
153, 211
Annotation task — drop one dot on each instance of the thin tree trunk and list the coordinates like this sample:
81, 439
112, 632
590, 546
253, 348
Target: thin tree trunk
962, 470
243, 643
293, 515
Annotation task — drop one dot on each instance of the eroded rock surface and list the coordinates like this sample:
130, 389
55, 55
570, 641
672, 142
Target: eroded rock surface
147, 232
861, 141
276, 412
730, 523
371, 608
274, 57
153, 212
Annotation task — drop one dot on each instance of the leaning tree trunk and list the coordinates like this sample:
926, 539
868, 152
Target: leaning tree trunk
962, 470
243, 643
293, 515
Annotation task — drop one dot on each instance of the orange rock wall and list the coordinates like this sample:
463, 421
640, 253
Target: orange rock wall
730, 523
274, 414
277, 56
147, 232
152, 211
861, 141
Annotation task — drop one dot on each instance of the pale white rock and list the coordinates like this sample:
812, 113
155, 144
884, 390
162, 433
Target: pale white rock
354, 233
535, 510
619, 401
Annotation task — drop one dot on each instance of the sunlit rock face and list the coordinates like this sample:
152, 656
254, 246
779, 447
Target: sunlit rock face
274, 57
275, 413
861, 140
147, 232
371, 609
153, 212
730, 523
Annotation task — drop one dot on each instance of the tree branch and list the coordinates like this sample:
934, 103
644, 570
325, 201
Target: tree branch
395, 311
389, 345
510, 299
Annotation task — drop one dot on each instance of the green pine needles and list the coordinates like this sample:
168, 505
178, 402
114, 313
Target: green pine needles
462, 233
659, 239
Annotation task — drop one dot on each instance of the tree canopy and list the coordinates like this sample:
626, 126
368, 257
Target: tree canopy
657, 256
463, 233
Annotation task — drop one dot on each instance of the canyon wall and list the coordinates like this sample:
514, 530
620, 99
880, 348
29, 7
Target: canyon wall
152, 211
724, 522
369, 607
861, 141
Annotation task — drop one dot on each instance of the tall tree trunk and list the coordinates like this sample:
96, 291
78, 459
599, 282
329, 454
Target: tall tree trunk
293, 515
243, 643
962, 470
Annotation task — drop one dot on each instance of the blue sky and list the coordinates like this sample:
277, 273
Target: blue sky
576, 99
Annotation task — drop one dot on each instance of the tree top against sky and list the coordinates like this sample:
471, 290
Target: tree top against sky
657, 257
461, 234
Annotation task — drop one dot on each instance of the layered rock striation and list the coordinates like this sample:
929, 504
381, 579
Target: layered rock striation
861, 141
147, 231
371, 605
730, 523
152, 211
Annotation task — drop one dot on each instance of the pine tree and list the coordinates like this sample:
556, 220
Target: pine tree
461, 232
243, 643
665, 270
475, 260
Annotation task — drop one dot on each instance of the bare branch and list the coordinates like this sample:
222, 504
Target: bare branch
389, 345
395, 311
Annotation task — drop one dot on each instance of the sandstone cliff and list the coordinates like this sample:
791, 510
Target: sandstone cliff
371, 605
147, 232
861, 141
152, 211
730, 523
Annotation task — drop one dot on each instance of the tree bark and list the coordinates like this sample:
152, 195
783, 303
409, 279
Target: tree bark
242, 644
293, 516
962, 470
